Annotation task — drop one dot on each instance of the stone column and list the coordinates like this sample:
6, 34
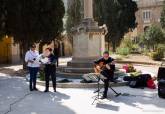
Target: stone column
88, 9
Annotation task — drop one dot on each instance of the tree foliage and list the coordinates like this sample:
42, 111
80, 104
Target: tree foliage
31, 21
118, 15
2, 18
74, 14
153, 36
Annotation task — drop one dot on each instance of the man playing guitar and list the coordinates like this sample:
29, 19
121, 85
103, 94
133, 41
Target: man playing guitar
106, 67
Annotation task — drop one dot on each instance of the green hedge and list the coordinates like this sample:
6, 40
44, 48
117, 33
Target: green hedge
123, 51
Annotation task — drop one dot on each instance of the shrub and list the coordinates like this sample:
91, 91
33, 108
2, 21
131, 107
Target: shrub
129, 43
123, 51
135, 49
161, 47
158, 55
117, 57
146, 52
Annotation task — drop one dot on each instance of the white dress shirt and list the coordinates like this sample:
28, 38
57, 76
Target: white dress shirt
32, 56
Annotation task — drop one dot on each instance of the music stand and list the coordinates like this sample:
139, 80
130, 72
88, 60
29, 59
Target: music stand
97, 97
99, 77
117, 94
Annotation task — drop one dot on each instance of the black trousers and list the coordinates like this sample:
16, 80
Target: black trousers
109, 75
50, 71
57, 63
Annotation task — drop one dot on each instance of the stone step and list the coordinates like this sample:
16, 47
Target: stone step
69, 75
80, 64
79, 75
76, 70
82, 85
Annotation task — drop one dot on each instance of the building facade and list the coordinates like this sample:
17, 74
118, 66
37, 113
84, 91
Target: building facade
149, 12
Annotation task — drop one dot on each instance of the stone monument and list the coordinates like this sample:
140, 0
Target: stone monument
88, 42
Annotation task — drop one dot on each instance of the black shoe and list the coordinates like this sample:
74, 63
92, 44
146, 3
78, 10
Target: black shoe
103, 97
115, 81
35, 89
46, 91
31, 89
54, 88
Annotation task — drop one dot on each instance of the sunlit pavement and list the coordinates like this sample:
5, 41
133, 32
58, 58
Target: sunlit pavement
14, 94
151, 69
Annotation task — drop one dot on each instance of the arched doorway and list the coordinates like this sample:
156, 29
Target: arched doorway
146, 28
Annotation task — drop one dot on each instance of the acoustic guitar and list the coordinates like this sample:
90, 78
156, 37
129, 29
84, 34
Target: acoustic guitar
101, 66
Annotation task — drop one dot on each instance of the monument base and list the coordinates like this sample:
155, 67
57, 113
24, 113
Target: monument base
82, 62
88, 45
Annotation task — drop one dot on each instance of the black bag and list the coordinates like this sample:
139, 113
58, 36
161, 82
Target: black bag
161, 81
133, 84
132, 81
139, 81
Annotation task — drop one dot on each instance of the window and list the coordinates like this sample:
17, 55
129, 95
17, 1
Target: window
146, 15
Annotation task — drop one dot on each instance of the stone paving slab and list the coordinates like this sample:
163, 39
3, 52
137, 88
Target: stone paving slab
11, 89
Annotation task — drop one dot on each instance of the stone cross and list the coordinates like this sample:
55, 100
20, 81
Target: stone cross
88, 8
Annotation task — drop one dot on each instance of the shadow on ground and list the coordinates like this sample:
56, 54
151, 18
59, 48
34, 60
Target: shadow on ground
134, 97
107, 106
12, 72
15, 91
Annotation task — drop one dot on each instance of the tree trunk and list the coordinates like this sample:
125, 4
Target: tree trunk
114, 47
21, 51
41, 47
25, 48
108, 44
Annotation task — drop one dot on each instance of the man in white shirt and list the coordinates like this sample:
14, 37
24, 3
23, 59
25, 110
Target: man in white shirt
33, 65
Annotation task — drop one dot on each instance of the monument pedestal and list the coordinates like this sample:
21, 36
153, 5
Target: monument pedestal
88, 45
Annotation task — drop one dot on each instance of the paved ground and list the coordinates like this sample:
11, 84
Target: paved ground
15, 98
151, 69
14, 91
